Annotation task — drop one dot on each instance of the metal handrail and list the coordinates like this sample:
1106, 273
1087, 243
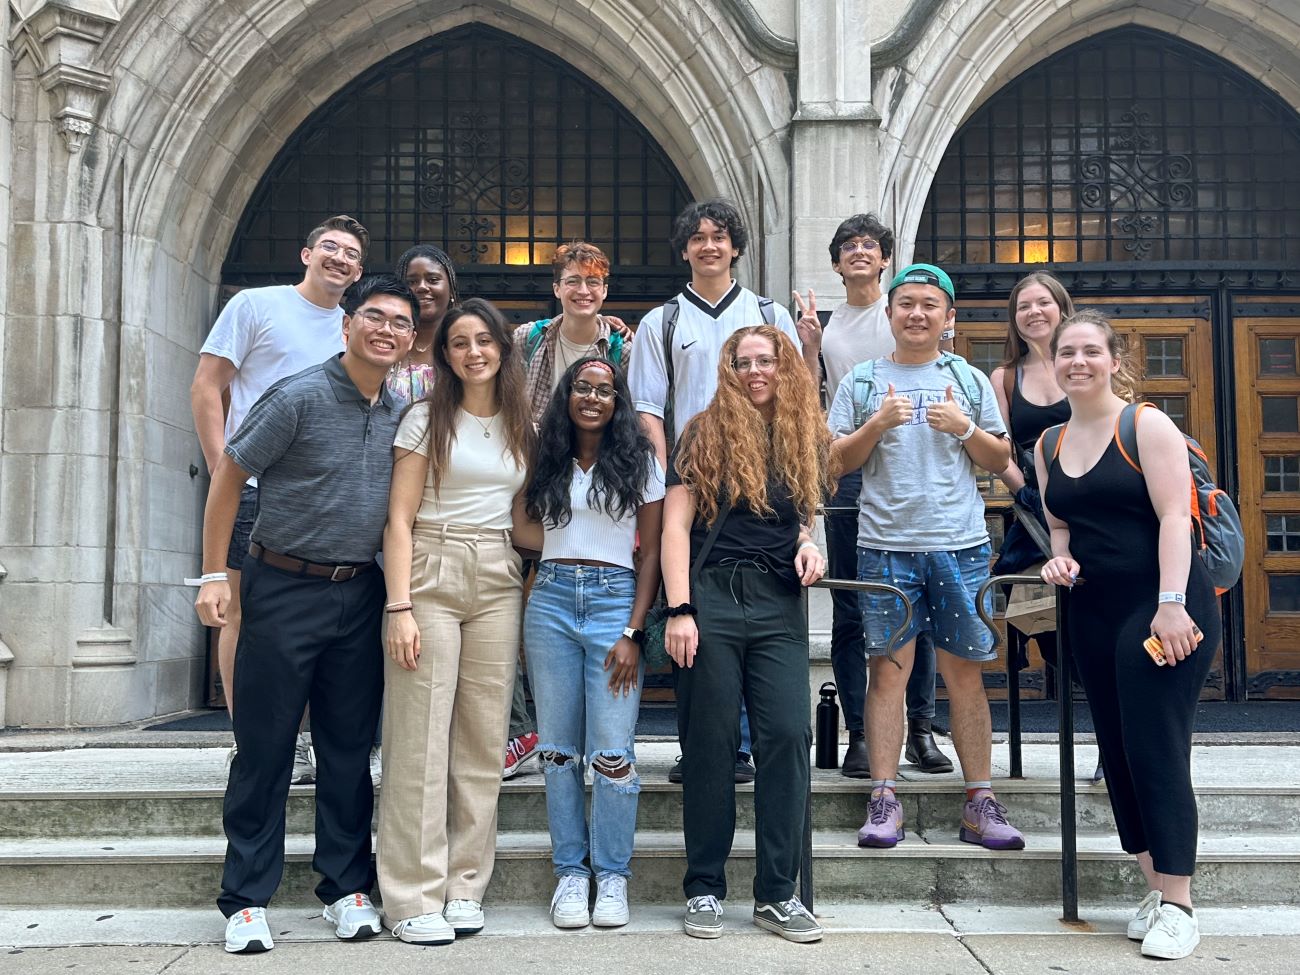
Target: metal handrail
1065, 721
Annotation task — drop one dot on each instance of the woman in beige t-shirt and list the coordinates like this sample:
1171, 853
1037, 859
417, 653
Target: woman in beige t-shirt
454, 605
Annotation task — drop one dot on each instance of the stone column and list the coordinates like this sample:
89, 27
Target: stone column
834, 152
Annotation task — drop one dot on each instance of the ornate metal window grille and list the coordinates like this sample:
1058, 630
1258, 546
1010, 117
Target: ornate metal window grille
485, 145
1129, 146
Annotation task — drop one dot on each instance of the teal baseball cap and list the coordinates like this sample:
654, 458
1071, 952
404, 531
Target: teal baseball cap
924, 274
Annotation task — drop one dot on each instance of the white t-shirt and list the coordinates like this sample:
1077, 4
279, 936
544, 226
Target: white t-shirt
698, 337
481, 480
593, 535
270, 333
853, 334
567, 353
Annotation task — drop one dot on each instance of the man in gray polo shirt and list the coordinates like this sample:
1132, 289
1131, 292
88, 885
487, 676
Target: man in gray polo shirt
320, 444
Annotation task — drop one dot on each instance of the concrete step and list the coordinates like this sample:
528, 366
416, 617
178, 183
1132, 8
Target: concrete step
926, 866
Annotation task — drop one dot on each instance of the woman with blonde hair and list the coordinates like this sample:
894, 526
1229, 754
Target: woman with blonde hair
744, 483
455, 598
1124, 524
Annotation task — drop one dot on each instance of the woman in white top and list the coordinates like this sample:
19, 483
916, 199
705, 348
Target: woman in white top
595, 486
454, 605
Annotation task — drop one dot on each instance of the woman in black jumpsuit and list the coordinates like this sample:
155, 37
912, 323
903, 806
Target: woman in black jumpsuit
1128, 535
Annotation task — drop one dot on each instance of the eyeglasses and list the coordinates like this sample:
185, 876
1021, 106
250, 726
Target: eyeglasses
374, 321
583, 389
573, 283
762, 363
333, 247
864, 244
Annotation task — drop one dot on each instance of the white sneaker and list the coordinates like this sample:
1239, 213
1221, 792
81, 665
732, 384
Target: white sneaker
353, 917
611, 902
304, 761
464, 916
1141, 922
376, 765
569, 905
1174, 933
424, 929
247, 931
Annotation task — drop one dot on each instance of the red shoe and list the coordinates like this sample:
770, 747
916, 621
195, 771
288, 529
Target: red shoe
519, 750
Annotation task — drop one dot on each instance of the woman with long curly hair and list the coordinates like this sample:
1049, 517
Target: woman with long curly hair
429, 273
747, 475
595, 485
454, 601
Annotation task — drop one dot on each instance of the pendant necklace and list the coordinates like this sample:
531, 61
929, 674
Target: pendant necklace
487, 433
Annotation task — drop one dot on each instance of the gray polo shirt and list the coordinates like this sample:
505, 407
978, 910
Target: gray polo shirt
323, 457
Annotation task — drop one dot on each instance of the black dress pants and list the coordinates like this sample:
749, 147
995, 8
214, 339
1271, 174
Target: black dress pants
753, 641
304, 639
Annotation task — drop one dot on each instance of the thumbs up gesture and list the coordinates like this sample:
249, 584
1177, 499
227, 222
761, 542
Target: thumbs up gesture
895, 410
947, 416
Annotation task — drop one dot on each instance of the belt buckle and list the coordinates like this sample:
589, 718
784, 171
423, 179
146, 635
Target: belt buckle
349, 569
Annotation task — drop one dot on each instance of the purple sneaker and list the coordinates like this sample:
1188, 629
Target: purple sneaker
884, 826
984, 821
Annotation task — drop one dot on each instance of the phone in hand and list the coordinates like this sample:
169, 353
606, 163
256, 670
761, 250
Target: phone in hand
1156, 651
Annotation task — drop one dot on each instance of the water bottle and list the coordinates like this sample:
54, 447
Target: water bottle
828, 728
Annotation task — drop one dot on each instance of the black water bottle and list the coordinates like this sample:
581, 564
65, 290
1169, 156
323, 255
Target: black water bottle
828, 728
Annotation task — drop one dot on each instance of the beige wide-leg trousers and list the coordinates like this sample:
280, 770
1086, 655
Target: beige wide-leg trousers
445, 722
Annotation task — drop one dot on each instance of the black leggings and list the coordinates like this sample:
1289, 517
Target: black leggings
1143, 714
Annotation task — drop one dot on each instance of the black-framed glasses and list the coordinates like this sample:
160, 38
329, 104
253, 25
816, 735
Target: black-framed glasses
374, 321
583, 389
762, 363
334, 248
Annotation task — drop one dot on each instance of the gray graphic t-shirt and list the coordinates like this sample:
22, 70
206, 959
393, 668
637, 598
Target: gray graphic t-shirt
919, 492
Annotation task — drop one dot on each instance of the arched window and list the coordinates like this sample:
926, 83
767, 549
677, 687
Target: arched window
1129, 146
485, 145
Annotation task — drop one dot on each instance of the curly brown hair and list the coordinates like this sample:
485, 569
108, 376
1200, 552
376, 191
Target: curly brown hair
729, 450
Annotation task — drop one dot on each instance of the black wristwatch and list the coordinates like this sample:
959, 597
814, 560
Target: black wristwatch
635, 635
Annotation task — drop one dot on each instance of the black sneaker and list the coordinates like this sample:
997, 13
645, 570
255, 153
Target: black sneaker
744, 768
790, 919
675, 773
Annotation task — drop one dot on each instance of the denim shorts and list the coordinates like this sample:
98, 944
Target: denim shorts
242, 534
941, 587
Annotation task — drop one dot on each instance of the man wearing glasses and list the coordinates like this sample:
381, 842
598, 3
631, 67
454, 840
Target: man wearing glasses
858, 331
320, 443
260, 337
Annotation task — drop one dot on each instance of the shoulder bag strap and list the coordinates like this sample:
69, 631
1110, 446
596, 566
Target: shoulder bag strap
698, 563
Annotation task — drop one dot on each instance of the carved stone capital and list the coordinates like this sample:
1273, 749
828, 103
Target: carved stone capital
63, 38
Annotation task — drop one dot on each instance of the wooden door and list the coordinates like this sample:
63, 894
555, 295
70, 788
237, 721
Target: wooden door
1266, 347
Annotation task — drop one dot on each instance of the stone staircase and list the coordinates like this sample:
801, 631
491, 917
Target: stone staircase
109, 826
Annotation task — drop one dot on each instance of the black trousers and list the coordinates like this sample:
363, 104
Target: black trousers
1143, 714
304, 639
753, 641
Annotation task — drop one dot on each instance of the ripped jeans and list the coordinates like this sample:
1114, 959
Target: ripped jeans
575, 615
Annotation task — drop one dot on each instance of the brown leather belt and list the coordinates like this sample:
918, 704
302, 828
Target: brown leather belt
334, 573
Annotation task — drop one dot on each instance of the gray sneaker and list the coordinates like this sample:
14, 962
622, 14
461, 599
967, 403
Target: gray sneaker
304, 761
790, 919
703, 917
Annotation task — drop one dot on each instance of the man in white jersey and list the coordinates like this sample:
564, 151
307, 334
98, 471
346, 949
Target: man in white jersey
260, 337
669, 390
858, 331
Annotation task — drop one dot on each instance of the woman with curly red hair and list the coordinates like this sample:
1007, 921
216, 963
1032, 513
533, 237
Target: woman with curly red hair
746, 478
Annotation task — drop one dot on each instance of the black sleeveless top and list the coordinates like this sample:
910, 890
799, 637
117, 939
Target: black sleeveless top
1028, 421
1114, 531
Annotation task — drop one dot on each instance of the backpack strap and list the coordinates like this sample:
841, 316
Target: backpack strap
1051, 442
767, 308
534, 340
1009, 376
966, 381
616, 348
864, 383
672, 307
1126, 433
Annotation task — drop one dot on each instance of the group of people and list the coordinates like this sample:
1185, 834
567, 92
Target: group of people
402, 482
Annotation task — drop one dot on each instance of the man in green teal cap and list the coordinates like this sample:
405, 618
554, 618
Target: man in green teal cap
919, 421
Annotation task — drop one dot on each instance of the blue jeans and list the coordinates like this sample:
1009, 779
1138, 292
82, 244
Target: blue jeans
848, 643
575, 614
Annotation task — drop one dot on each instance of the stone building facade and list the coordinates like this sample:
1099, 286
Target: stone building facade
137, 138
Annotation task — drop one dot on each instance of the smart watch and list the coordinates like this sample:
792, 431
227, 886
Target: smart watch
635, 635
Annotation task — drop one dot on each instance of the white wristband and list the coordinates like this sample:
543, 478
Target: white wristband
806, 543
970, 432
1173, 597
206, 578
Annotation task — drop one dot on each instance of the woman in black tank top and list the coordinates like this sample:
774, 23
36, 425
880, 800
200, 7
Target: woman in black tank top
1128, 534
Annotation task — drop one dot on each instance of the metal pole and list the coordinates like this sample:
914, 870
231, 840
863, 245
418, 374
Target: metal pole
1015, 645
1065, 708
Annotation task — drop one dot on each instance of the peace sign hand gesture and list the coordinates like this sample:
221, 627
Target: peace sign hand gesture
808, 324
